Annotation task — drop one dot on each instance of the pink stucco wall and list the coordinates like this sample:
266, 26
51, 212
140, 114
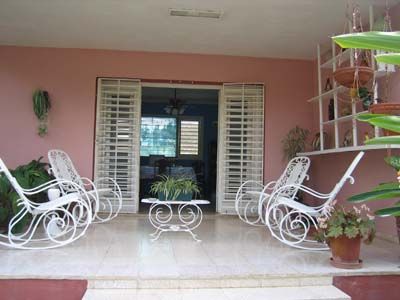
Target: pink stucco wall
70, 77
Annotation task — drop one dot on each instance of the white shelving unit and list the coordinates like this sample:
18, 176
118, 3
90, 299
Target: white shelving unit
323, 96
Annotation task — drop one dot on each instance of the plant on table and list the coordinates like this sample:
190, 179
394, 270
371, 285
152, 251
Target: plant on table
343, 230
174, 188
28, 176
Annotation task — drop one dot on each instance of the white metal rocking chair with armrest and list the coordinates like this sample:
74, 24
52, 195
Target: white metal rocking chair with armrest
252, 196
105, 193
51, 224
290, 221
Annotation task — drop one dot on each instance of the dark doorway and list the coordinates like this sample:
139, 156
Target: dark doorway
168, 145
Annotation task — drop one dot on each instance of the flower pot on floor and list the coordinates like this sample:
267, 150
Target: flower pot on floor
387, 109
353, 77
345, 252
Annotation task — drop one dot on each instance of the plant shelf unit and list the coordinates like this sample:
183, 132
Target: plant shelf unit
336, 125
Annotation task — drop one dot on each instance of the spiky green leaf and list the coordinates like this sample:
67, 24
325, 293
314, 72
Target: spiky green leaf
390, 58
384, 140
389, 211
372, 40
375, 195
386, 122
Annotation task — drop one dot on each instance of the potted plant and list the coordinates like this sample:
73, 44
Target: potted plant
41, 108
343, 231
175, 189
294, 142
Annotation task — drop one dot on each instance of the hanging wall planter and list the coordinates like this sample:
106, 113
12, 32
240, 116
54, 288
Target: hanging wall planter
359, 73
353, 77
41, 108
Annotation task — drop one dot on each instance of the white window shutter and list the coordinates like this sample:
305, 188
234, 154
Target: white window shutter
118, 136
242, 133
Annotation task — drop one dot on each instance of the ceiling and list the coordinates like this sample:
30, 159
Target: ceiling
259, 28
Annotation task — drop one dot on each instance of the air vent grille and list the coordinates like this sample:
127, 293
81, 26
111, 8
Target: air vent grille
213, 14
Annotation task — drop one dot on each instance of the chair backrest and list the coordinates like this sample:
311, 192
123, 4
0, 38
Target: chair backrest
346, 176
294, 174
63, 168
14, 183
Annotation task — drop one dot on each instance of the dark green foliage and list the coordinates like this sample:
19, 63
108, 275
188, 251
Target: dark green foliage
28, 176
387, 190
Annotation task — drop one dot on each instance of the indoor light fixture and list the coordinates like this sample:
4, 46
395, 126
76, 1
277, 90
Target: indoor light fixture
175, 106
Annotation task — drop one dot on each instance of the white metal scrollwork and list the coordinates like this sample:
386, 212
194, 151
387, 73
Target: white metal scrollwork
50, 224
107, 200
290, 221
252, 197
186, 218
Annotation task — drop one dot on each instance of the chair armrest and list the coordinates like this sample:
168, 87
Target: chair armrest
112, 180
303, 188
55, 183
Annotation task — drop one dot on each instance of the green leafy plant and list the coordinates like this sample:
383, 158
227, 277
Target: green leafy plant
386, 190
173, 187
373, 40
28, 176
383, 41
356, 222
41, 108
294, 142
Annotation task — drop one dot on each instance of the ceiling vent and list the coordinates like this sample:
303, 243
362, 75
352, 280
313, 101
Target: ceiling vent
213, 14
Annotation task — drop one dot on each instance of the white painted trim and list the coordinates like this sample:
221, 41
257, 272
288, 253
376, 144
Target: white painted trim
182, 86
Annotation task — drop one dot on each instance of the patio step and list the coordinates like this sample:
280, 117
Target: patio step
328, 292
210, 283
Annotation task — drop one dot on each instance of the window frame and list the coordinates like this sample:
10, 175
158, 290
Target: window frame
200, 119
178, 119
161, 117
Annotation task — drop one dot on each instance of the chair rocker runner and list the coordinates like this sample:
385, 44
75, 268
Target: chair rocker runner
290, 221
105, 193
252, 196
51, 224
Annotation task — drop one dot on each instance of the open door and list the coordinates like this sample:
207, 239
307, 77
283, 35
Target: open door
241, 141
117, 148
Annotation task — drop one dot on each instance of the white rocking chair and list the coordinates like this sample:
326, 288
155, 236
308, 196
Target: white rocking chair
290, 221
54, 223
105, 192
252, 196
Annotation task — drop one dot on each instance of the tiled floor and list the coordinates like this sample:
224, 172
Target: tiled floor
122, 250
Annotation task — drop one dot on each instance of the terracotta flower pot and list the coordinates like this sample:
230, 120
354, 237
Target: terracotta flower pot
346, 76
345, 252
387, 109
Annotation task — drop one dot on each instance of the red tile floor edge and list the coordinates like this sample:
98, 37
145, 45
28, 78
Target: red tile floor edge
42, 289
358, 287
385, 287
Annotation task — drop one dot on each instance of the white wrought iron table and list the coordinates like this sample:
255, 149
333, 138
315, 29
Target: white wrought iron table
188, 217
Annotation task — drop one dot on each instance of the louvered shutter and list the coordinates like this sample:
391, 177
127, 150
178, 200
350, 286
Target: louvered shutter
189, 137
242, 135
118, 136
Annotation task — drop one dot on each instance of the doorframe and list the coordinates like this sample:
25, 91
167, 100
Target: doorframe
220, 144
